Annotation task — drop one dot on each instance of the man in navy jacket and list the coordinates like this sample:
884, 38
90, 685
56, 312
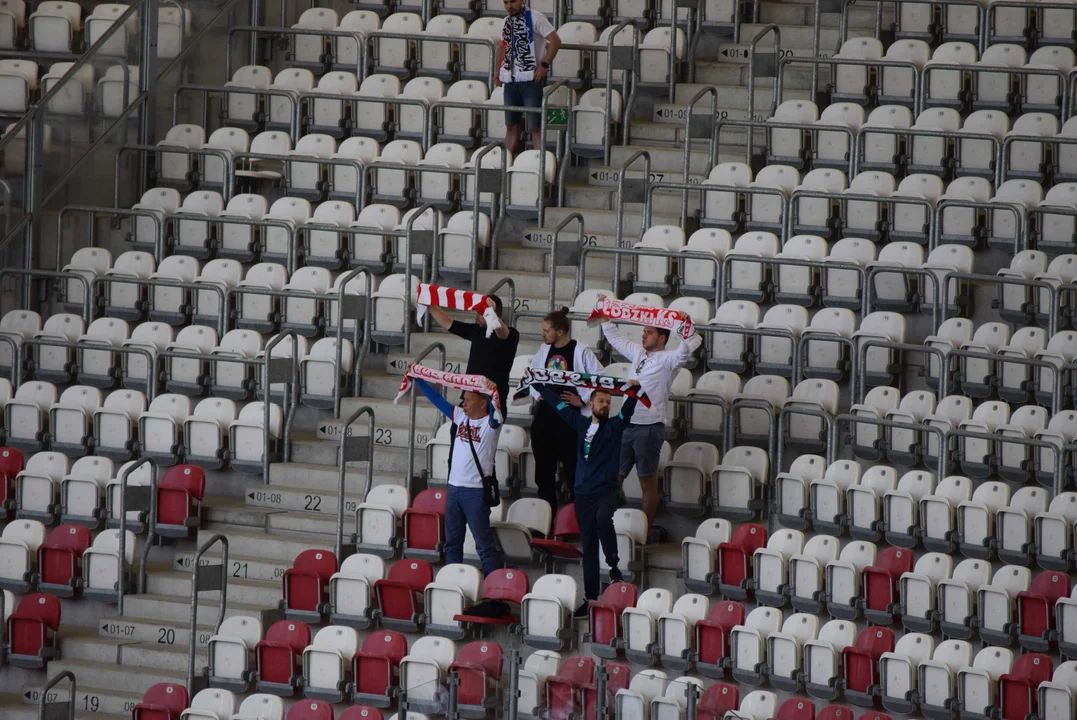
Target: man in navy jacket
598, 452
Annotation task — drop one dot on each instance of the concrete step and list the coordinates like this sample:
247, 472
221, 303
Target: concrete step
389, 460
721, 71
663, 159
379, 384
458, 346
131, 629
168, 658
605, 221
174, 608
385, 435
730, 98
232, 511
265, 545
388, 413
239, 566
98, 701
598, 197
90, 648
524, 257
124, 678
537, 285
282, 497
323, 527
799, 37
248, 592
325, 477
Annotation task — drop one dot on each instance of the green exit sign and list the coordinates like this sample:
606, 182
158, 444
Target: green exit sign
557, 116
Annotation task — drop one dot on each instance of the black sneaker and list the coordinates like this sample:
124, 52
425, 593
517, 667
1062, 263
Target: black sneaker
581, 611
616, 576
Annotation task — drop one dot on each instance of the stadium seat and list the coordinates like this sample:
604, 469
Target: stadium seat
399, 595
279, 657
306, 585
375, 668
231, 650
327, 663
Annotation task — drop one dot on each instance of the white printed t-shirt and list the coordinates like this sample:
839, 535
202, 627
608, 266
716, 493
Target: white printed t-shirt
464, 473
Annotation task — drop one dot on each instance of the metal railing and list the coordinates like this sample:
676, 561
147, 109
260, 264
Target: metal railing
121, 560
55, 710
352, 450
753, 48
206, 578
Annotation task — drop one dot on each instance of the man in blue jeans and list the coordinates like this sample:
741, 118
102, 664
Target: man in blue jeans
528, 46
465, 506
598, 449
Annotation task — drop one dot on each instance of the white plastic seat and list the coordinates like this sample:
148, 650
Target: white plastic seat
327, 659
544, 612
806, 573
739, 480
168, 304
115, 424
376, 519
160, 427
26, 415
862, 217
231, 648
187, 374
823, 655
698, 552
103, 568
748, 642
918, 590
977, 685
958, 595
791, 489
827, 495
324, 246
247, 436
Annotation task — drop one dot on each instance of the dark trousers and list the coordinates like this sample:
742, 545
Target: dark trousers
464, 508
552, 441
594, 513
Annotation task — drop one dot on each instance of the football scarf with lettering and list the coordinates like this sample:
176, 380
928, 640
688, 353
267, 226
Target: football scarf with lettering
663, 318
584, 381
453, 299
457, 381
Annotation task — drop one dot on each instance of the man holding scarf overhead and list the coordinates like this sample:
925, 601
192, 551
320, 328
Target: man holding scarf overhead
654, 367
477, 424
598, 447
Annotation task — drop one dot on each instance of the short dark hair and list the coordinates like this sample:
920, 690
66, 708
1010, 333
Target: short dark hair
558, 319
497, 304
664, 333
596, 391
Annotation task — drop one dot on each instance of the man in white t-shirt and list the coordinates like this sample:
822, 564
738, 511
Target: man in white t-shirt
477, 431
528, 45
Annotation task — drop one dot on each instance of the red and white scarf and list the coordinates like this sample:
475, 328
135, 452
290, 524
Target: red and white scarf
458, 381
662, 318
453, 299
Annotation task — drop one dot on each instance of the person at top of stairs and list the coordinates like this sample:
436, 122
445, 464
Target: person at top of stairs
474, 444
654, 367
528, 45
551, 440
598, 444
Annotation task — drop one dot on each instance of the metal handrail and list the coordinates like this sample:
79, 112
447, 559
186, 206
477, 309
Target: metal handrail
476, 160
420, 38
654, 252
343, 470
856, 62
57, 275
547, 93
578, 218
835, 442
122, 559
65, 675
510, 313
1063, 79
291, 398
440, 348
343, 281
769, 124
753, 46
408, 229
1018, 212
955, 136
222, 601
360, 39
713, 142
220, 153
286, 161
75, 346
269, 92
153, 215
620, 207
221, 293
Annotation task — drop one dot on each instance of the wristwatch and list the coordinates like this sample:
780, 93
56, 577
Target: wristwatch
545, 64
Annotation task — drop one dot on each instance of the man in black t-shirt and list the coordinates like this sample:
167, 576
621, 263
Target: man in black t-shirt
491, 356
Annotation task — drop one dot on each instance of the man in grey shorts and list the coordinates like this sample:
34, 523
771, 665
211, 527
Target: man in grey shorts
655, 368
528, 45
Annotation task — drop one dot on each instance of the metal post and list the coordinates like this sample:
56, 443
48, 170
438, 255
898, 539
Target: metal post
411, 410
124, 477
512, 711
453, 710
32, 194
601, 677
342, 466
691, 691
553, 252
209, 578
66, 707
147, 83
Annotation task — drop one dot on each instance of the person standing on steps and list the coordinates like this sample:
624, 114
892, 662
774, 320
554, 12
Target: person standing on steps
551, 440
474, 445
528, 45
598, 447
654, 367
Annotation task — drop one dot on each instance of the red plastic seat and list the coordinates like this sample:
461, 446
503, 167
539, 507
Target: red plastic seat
31, 631
400, 596
618, 677
1018, 690
163, 701
179, 495
566, 691
306, 585
873, 715
375, 668
605, 617
360, 712
507, 584
59, 560
310, 710
1036, 609
478, 666
835, 712
880, 583
559, 546
424, 523
11, 464
279, 657
712, 636
735, 556
717, 700
860, 663
796, 709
